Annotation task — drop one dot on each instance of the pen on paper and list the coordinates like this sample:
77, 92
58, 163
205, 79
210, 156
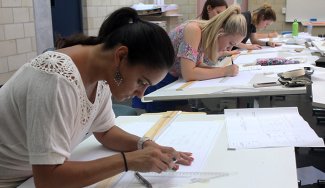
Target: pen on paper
142, 180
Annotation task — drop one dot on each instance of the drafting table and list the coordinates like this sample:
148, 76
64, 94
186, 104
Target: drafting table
261, 75
166, 93
170, 93
318, 88
318, 92
249, 168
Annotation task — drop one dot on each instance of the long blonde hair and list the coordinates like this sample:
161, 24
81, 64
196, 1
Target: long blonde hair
230, 21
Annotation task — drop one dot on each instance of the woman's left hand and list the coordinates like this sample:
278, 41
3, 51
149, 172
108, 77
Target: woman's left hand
183, 158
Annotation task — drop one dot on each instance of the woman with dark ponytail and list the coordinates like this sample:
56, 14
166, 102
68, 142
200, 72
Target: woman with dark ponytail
212, 8
59, 98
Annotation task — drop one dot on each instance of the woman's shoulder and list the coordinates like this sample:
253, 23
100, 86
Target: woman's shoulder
193, 27
193, 30
53, 62
56, 63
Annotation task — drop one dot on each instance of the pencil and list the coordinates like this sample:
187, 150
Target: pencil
143, 180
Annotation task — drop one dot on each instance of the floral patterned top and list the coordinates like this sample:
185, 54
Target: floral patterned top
184, 50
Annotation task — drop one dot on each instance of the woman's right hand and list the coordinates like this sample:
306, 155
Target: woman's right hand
231, 70
253, 47
150, 159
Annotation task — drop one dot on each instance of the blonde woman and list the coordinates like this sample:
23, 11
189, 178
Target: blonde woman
259, 19
197, 45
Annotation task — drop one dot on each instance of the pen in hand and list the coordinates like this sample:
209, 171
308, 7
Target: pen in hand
142, 180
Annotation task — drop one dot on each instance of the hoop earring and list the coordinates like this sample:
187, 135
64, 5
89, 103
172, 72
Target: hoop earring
118, 78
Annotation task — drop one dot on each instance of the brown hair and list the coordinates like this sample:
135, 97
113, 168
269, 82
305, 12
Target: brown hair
213, 3
265, 12
124, 27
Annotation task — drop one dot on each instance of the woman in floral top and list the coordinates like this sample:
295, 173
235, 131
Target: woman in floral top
197, 45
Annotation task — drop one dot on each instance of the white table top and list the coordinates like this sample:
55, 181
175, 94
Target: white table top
249, 168
253, 168
318, 91
166, 93
318, 88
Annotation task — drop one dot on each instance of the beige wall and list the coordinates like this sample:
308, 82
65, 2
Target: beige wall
17, 25
280, 25
95, 11
17, 34
186, 7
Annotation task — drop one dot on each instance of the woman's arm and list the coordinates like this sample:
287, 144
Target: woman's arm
77, 174
266, 35
189, 69
84, 173
110, 137
262, 43
249, 46
192, 72
255, 40
119, 140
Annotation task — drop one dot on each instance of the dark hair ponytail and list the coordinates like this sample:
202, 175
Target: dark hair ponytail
148, 43
117, 19
213, 3
76, 39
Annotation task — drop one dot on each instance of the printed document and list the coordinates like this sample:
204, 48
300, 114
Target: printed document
269, 127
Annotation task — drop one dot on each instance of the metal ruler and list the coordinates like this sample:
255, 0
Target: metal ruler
192, 176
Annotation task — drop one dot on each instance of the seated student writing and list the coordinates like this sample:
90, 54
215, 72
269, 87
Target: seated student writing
197, 44
259, 19
54, 102
212, 8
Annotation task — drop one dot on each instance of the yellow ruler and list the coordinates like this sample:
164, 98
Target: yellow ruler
185, 85
167, 118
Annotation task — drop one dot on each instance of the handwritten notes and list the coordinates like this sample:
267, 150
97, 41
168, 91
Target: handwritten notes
269, 127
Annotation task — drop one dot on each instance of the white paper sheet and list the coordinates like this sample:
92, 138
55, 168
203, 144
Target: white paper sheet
243, 78
141, 128
180, 135
269, 127
251, 58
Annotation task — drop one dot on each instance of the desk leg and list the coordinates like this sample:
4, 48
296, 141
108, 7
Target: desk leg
256, 103
246, 102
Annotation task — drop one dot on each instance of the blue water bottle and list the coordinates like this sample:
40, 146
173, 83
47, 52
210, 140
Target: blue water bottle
310, 26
